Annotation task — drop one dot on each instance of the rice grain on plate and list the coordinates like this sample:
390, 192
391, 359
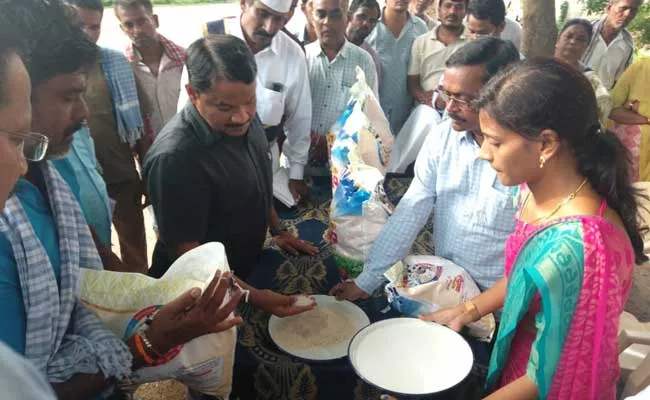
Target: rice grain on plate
318, 328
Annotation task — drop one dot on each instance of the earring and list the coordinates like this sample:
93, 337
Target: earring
542, 161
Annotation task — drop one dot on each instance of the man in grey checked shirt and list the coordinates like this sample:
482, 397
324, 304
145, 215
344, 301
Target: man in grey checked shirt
332, 62
474, 213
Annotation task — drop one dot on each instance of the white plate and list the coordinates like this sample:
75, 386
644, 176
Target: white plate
410, 357
352, 312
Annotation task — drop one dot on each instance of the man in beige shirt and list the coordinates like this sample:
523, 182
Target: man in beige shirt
431, 50
157, 61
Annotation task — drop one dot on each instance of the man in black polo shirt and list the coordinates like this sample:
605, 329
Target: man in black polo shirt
208, 173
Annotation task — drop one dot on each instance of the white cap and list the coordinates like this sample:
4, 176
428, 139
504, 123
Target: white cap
281, 6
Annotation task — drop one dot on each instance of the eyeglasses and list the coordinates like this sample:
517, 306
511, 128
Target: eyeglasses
320, 15
32, 144
465, 102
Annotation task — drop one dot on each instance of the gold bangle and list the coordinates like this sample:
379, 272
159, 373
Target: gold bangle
470, 308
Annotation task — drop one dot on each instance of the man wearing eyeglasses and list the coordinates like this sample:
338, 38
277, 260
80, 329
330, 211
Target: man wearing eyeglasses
19, 379
474, 213
332, 62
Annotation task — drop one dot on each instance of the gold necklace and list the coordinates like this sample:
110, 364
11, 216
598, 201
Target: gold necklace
556, 209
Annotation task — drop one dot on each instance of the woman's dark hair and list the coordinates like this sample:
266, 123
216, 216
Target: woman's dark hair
52, 37
540, 94
219, 57
578, 21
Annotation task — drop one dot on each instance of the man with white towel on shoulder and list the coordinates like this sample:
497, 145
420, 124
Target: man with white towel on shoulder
283, 92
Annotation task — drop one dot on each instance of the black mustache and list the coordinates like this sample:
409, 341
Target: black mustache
236, 126
456, 117
263, 34
74, 128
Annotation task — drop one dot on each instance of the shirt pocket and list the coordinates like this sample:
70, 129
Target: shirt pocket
270, 107
499, 213
348, 78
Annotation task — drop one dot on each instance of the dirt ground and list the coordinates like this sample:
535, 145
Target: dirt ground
164, 390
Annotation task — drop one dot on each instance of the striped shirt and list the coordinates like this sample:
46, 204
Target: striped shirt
330, 81
474, 212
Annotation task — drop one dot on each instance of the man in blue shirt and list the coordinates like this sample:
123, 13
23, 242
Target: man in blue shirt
19, 379
474, 213
80, 170
392, 39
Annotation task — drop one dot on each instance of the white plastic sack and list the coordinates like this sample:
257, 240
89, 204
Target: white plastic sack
425, 284
281, 189
360, 149
123, 301
407, 145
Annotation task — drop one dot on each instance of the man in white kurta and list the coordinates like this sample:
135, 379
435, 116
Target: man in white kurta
283, 93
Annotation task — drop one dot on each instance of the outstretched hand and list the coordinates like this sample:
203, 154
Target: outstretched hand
454, 318
279, 304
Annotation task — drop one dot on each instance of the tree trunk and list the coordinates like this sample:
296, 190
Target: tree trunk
539, 29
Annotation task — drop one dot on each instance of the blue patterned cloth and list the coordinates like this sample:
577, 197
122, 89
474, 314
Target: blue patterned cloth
551, 263
126, 106
474, 212
62, 337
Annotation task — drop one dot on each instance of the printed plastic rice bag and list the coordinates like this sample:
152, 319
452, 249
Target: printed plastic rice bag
424, 284
360, 149
123, 301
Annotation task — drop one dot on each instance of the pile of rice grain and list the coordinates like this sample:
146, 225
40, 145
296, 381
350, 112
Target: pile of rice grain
318, 328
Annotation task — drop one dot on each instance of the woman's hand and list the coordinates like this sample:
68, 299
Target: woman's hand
193, 314
455, 318
278, 304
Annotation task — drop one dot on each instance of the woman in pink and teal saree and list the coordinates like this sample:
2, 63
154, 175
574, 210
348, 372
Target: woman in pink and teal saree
569, 263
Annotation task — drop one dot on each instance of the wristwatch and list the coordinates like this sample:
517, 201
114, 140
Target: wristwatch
276, 231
